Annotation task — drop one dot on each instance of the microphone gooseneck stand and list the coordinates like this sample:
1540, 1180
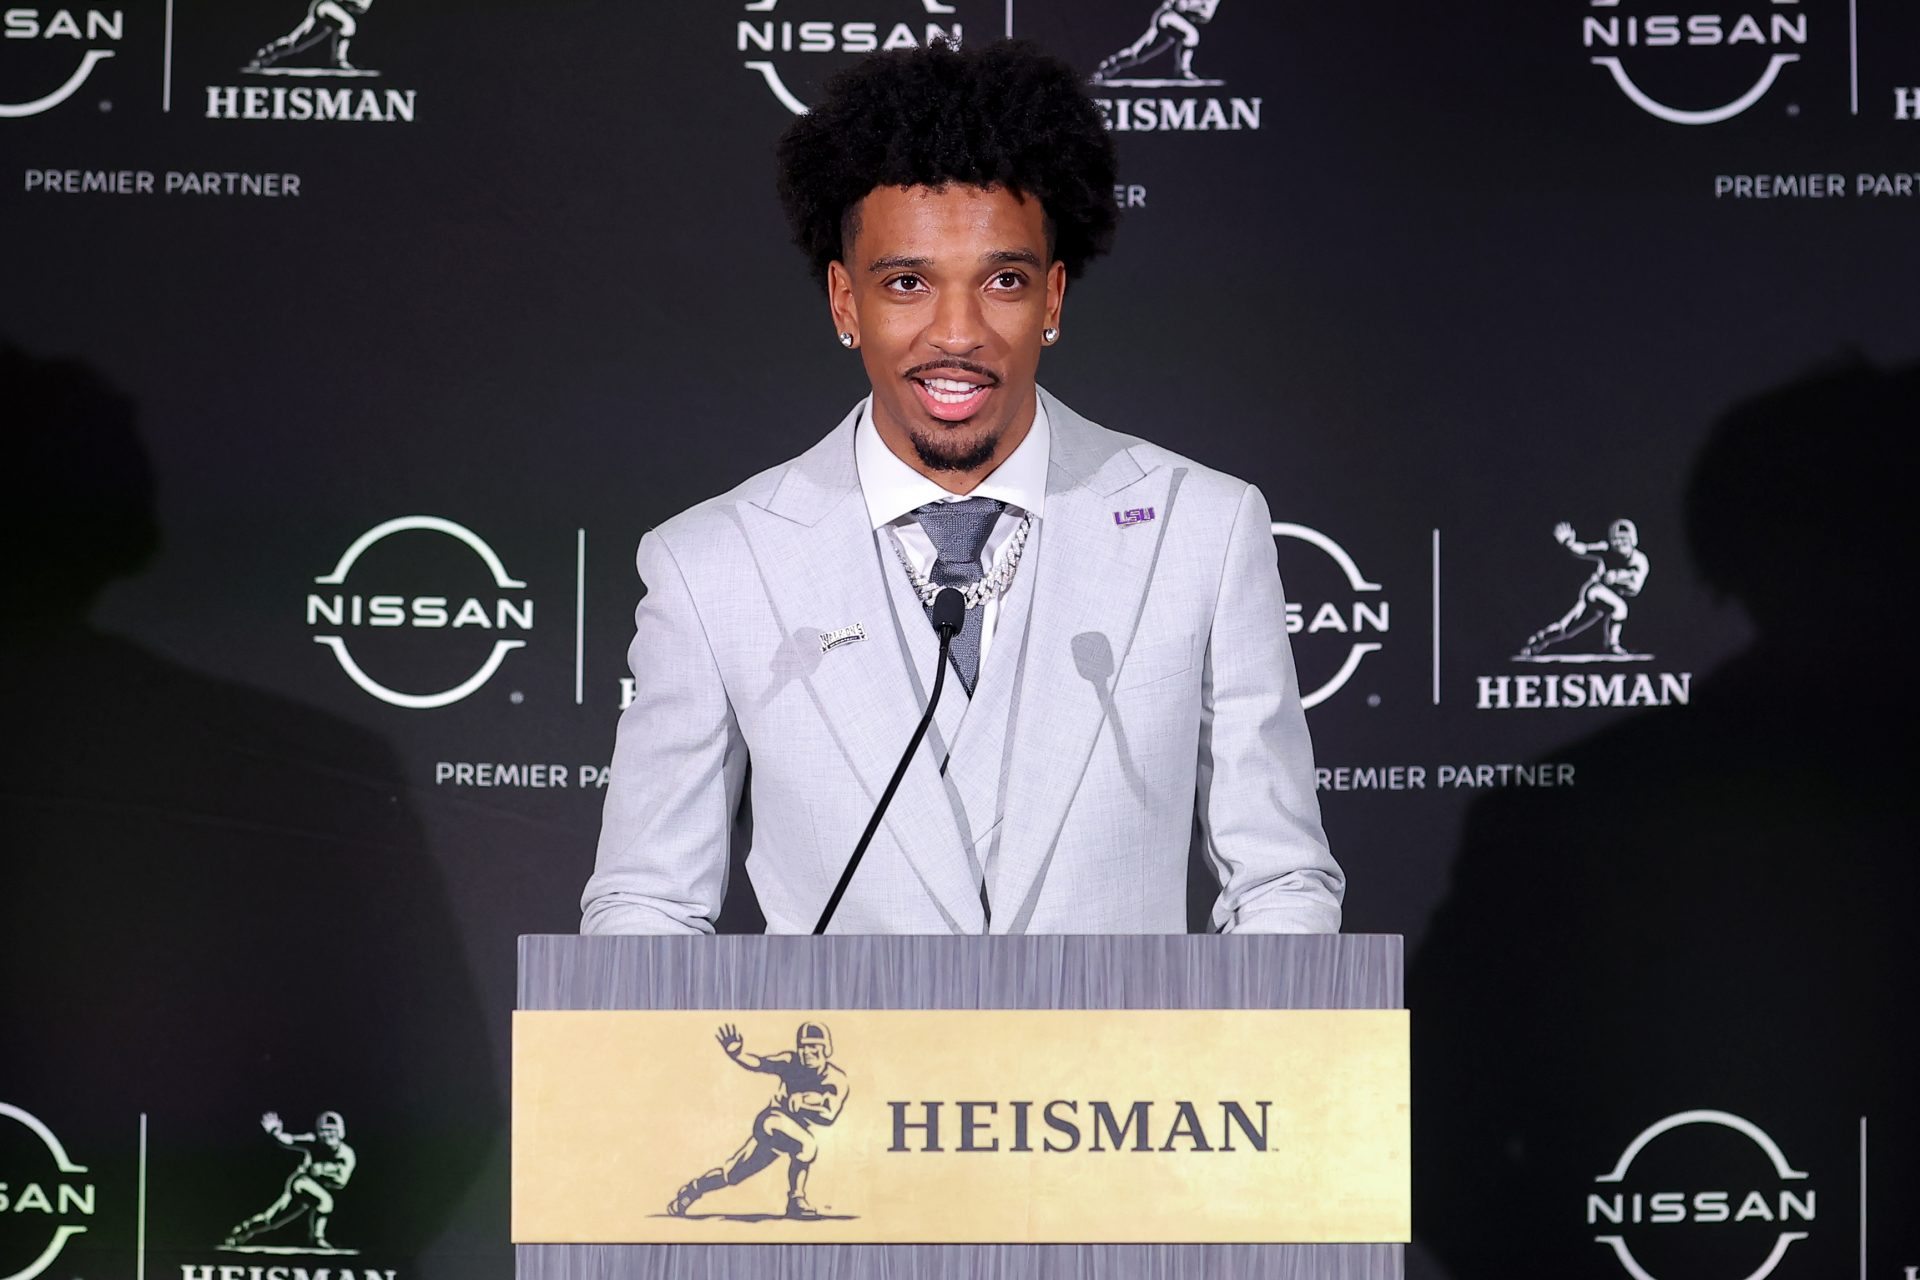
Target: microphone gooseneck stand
949, 612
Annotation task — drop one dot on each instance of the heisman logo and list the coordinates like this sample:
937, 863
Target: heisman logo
1634, 1212
1652, 40
63, 28
295, 1224
1619, 571
809, 1094
791, 34
1162, 57
57, 1200
328, 22
425, 612
329, 26
1600, 609
1174, 27
326, 1166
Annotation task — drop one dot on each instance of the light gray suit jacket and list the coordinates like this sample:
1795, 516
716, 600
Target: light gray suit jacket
1139, 695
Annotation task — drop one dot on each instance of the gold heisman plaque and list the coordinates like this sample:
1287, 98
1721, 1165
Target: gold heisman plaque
966, 1126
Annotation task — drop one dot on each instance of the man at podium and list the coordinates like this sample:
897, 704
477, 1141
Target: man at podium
1119, 685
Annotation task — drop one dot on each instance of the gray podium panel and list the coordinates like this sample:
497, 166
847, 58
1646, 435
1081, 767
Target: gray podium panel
1340, 971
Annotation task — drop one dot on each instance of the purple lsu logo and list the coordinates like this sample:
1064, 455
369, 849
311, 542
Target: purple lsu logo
1135, 515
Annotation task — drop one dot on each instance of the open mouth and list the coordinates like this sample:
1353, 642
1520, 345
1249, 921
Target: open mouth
951, 399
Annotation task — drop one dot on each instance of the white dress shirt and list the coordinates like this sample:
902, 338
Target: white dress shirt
893, 490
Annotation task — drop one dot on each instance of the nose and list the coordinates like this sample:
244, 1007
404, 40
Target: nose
958, 326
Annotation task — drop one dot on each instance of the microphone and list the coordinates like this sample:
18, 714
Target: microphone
949, 613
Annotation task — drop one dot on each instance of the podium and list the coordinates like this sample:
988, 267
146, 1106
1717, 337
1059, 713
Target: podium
1161, 1107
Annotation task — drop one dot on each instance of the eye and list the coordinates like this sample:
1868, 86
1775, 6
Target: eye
1009, 280
906, 283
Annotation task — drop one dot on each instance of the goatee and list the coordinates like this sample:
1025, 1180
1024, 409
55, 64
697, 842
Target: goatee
938, 456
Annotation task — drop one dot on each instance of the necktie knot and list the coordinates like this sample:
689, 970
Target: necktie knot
959, 532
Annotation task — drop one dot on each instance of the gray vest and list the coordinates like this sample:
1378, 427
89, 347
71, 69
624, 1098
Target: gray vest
969, 734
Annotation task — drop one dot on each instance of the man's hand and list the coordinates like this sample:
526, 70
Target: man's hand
1563, 533
730, 1041
271, 1123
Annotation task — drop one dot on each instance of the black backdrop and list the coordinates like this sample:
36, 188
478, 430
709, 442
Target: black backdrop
1458, 285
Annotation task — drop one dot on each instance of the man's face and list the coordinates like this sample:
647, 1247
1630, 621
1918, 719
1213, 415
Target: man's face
1622, 540
813, 1056
947, 291
330, 1133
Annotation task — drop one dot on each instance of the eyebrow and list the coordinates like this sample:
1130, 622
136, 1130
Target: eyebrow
998, 257
900, 262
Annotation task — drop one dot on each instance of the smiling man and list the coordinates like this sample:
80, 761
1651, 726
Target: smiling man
1121, 692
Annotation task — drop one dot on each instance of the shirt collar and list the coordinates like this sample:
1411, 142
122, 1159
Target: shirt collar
892, 488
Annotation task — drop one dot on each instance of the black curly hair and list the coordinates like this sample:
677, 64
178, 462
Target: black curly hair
1007, 115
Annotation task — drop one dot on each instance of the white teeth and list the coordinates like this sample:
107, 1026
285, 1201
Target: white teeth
951, 391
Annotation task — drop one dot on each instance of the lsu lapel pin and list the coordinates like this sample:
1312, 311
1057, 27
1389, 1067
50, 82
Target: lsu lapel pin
1133, 515
845, 635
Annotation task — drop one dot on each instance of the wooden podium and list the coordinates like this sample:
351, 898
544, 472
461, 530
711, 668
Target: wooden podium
728, 1108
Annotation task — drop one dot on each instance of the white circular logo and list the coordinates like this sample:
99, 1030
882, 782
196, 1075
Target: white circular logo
1316, 623
796, 35
64, 33
46, 1202
1647, 1213
342, 611
1666, 63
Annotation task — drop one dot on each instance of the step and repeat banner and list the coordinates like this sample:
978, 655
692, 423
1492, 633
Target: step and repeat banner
348, 348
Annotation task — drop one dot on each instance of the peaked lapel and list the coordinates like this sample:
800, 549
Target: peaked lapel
1087, 599
816, 548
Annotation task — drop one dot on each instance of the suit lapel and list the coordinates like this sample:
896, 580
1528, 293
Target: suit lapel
816, 546
1087, 599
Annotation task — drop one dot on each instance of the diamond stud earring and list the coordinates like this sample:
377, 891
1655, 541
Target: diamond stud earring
1049, 335
846, 340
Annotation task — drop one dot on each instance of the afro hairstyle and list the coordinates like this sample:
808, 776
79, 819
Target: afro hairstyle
1007, 115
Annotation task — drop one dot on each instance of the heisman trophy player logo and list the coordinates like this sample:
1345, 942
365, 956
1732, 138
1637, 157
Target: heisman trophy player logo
314, 53
1600, 611
1175, 25
1619, 572
326, 1165
330, 21
811, 1091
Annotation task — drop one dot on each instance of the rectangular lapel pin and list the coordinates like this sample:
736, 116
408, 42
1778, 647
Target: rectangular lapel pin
845, 635
1135, 515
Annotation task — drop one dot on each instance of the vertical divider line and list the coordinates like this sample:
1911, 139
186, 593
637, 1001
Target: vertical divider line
166, 70
1863, 1198
1009, 19
1436, 617
1853, 50
580, 618
140, 1216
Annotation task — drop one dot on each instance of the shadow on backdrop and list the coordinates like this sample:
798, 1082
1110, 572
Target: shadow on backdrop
215, 904
1718, 917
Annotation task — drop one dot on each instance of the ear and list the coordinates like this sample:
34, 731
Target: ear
1056, 291
846, 317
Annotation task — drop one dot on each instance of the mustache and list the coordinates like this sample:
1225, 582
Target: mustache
954, 362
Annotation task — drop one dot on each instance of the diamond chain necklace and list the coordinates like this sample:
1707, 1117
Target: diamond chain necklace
991, 586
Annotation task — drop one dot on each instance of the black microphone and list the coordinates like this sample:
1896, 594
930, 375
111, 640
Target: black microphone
949, 613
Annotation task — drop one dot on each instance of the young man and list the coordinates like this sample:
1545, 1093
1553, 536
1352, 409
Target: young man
1121, 683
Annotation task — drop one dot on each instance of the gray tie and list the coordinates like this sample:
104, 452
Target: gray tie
958, 531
